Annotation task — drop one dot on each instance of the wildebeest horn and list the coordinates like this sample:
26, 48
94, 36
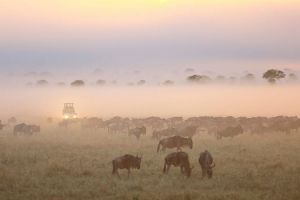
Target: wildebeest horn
137, 155
212, 165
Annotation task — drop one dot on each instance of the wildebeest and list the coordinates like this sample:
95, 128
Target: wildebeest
26, 129
63, 124
188, 131
2, 125
12, 120
92, 123
175, 142
126, 162
165, 132
207, 164
137, 132
49, 120
117, 127
178, 159
230, 132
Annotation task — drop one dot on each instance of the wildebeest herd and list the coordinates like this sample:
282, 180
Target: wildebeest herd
172, 133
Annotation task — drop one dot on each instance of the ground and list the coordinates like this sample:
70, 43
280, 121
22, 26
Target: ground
59, 164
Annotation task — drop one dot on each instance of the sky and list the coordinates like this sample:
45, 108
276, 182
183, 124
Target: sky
154, 40
53, 35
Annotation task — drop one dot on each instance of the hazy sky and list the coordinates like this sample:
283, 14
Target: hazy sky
153, 40
79, 34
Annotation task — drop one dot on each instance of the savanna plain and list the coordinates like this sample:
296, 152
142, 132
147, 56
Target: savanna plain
62, 164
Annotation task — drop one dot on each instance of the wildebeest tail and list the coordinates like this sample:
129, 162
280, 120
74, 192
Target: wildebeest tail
158, 146
114, 167
165, 167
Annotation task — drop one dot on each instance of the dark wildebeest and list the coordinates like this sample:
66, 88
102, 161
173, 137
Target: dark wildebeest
117, 127
137, 132
178, 159
2, 125
165, 132
175, 142
12, 120
207, 164
126, 162
49, 120
230, 132
188, 131
26, 129
92, 123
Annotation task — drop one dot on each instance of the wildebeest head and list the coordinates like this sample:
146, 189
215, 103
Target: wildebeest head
206, 162
155, 134
239, 129
137, 162
188, 171
190, 142
209, 170
35, 128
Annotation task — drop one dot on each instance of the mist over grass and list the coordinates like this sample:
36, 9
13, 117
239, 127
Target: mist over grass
145, 101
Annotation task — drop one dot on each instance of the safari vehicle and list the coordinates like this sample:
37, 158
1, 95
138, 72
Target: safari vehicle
69, 111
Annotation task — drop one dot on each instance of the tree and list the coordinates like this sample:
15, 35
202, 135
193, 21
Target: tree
273, 75
77, 83
141, 82
198, 78
293, 77
248, 77
220, 78
61, 84
101, 82
189, 70
168, 82
42, 83
232, 79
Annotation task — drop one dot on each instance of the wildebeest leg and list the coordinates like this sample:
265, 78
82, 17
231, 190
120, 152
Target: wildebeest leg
210, 173
128, 172
115, 171
168, 168
182, 169
118, 174
203, 172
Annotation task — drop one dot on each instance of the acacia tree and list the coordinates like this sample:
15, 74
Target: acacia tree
42, 82
293, 77
248, 77
273, 75
221, 78
141, 82
101, 82
61, 84
77, 83
198, 78
168, 82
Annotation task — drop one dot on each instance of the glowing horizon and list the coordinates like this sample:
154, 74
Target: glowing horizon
148, 32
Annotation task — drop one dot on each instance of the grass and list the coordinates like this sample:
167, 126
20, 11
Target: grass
62, 164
